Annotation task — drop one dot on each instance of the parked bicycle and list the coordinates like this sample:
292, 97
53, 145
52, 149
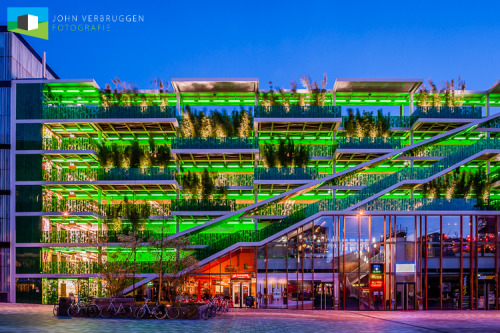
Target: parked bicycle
176, 310
222, 306
124, 311
55, 310
210, 310
83, 307
159, 311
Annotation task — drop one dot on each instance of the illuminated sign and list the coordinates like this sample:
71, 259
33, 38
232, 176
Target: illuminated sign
241, 276
377, 268
405, 268
376, 284
376, 276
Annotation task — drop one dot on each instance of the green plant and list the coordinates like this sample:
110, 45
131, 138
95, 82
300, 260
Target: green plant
459, 185
269, 155
301, 156
316, 92
216, 124
191, 184
452, 93
158, 155
207, 185
103, 155
287, 154
366, 125
134, 154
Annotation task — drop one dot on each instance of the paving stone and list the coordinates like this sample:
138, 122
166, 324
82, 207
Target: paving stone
38, 318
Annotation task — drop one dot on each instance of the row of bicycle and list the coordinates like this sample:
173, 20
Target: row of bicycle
83, 308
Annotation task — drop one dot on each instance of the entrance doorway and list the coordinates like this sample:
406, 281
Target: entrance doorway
240, 291
405, 296
486, 294
323, 295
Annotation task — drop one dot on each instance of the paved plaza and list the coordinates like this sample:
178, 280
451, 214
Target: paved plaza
38, 318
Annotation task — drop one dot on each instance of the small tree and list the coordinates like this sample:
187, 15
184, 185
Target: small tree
115, 272
172, 256
131, 241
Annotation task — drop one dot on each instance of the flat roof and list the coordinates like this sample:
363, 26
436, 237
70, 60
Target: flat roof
215, 85
377, 85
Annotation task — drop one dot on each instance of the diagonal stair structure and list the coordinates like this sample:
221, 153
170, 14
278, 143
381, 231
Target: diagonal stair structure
369, 193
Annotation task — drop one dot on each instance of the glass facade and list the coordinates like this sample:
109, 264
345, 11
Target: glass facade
382, 262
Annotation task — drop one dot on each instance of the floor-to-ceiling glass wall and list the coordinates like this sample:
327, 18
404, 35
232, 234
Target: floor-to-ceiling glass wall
370, 262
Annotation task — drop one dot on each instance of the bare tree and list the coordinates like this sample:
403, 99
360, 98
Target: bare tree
133, 242
173, 262
115, 272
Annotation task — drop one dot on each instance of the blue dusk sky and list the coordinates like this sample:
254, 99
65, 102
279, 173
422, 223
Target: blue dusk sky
277, 41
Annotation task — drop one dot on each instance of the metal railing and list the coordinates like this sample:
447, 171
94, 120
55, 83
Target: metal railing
81, 174
368, 143
91, 237
421, 204
294, 111
227, 179
394, 121
210, 205
286, 174
100, 112
69, 144
459, 112
361, 179
215, 143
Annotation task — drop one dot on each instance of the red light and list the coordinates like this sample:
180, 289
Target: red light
377, 284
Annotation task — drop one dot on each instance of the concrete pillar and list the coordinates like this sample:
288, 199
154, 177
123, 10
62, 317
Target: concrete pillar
411, 103
178, 104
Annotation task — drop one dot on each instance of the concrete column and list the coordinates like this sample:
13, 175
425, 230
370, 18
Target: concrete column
411, 162
411, 103
12, 267
256, 164
401, 110
178, 104
487, 106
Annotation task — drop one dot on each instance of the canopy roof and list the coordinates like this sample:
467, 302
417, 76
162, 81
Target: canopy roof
215, 85
377, 85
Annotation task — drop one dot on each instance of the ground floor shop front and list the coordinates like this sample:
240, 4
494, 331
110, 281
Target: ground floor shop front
366, 262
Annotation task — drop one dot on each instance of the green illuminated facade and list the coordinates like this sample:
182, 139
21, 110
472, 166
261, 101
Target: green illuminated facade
384, 214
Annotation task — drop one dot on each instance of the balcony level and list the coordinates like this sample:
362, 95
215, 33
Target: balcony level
285, 175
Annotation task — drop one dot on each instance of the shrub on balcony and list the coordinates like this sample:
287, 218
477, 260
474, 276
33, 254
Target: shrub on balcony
216, 124
451, 94
367, 125
287, 154
459, 185
202, 187
315, 96
133, 156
